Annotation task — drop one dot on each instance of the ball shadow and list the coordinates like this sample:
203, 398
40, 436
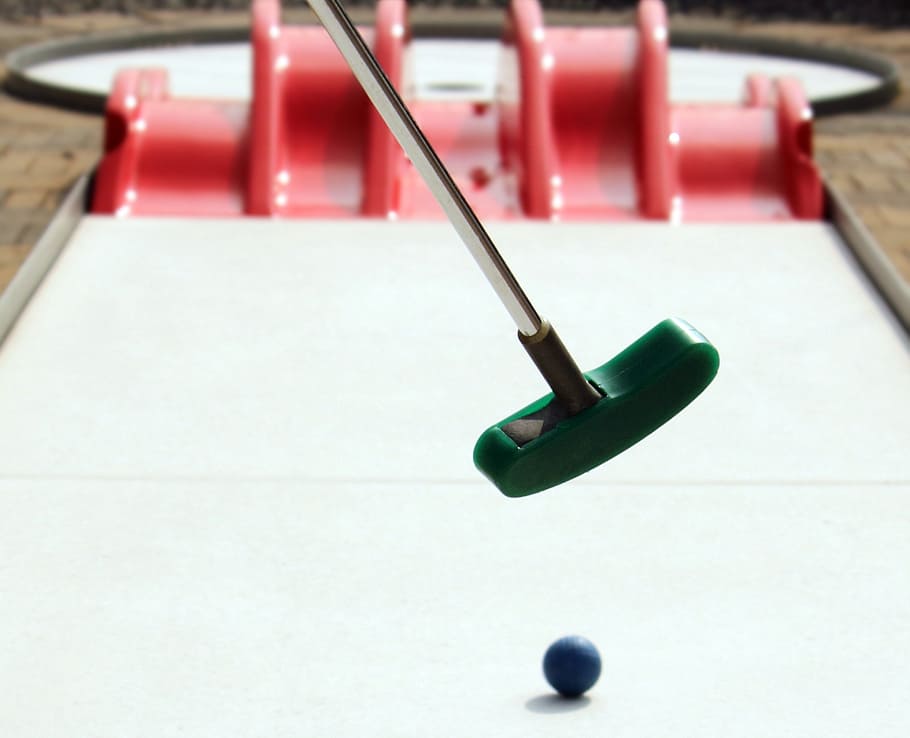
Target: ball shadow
549, 704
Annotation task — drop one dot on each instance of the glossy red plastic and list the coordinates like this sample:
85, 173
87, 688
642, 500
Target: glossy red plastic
385, 158
581, 128
526, 122
794, 133
592, 133
156, 162
655, 173
307, 122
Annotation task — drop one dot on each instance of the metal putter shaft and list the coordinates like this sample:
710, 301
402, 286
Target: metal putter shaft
537, 335
588, 419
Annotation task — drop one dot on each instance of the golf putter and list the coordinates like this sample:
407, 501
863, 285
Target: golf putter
588, 418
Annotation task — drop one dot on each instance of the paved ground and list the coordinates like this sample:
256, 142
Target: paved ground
42, 149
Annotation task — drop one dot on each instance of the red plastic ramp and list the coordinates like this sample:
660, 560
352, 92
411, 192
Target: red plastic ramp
581, 129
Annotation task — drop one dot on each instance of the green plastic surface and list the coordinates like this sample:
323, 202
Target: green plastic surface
642, 387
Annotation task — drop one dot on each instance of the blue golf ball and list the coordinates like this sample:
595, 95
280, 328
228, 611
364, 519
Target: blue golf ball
572, 665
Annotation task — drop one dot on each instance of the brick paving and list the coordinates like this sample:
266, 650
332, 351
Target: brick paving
43, 150
41, 153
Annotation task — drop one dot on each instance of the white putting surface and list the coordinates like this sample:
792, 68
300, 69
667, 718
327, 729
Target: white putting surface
236, 496
444, 69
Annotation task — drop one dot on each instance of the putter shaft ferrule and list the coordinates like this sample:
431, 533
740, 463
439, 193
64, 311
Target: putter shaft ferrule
559, 369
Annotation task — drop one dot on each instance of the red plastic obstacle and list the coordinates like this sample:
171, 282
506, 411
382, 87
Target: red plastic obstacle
317, 147
166, 156
589, 131
582, 124
309, 143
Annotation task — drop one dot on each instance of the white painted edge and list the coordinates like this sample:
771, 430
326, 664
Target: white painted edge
42, 256
869, 254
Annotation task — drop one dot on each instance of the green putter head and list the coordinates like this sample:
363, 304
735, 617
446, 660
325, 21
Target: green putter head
543, 444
